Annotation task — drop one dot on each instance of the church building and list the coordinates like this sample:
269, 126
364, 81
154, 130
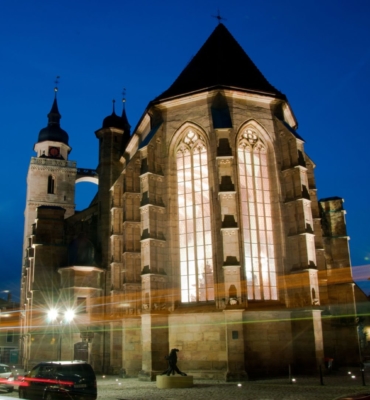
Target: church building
206, 235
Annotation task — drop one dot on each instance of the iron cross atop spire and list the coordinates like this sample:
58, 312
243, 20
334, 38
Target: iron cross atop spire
56, 85
218, 17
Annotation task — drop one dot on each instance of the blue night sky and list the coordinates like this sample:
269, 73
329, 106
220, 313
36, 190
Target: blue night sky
315, 52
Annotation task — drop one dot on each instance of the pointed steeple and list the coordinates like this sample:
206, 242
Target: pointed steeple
54, 114
124, 118
220, 63
114, 121
53, 132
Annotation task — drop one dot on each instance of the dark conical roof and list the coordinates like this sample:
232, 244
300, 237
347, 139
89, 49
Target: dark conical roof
53, 131
114, 121
221, 62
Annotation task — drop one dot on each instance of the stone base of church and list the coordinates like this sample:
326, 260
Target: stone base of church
146, 376
236, 376
174, 381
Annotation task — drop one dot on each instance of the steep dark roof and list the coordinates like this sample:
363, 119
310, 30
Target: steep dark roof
221, 62
53, 131
114, 121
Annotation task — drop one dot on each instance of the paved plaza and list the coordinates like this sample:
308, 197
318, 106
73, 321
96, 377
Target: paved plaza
305, 388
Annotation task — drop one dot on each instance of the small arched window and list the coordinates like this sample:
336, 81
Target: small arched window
51, 184
256, 213
194, 211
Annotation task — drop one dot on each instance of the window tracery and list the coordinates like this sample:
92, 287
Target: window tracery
195, 239
257, 230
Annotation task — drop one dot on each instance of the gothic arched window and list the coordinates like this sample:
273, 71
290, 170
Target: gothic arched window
195, 238
258, 238
51, 184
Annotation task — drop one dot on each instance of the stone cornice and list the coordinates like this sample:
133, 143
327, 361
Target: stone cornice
131, 195
156, 208
206, 94
80, 268
51, 162
47, 203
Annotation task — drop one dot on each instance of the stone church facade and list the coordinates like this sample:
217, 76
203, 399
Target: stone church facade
206, 235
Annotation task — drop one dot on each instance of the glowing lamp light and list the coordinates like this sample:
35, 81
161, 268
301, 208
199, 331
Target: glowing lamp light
353, 377
239, 384
293, 380
69, 315
53, 314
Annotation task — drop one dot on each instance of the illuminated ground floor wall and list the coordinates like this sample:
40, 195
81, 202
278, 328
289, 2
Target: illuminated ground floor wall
228, 345
233, 344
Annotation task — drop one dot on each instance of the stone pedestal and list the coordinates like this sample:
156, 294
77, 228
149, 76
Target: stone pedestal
174, 381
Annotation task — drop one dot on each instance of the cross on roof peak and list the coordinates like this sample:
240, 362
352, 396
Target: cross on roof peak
218, 17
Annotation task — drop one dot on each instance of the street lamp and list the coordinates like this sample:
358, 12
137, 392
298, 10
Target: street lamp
60, 319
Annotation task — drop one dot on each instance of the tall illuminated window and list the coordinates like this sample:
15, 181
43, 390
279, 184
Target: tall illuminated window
196, 262
258, 241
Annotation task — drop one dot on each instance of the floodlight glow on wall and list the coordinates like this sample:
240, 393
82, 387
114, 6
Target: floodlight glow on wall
55, 315
52, 314
69, 315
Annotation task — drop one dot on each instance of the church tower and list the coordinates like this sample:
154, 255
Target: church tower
51, 177
50, 199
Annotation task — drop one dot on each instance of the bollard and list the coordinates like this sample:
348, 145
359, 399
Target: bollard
321, 377
363, 376
290, 374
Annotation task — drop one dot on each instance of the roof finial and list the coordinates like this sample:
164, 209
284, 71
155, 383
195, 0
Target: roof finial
56, 85
114, 102
218, 17
124, 96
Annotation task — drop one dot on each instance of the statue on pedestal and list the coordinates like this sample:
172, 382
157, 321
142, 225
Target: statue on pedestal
172, 367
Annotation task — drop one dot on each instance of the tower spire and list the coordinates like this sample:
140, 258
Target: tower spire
53, 131
54, 114
56, 86
123, 97
124, 116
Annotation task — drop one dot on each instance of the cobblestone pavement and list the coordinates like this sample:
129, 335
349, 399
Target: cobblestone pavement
305, 388
276, 389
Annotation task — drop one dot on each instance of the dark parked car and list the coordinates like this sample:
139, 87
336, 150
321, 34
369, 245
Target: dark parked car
59, 380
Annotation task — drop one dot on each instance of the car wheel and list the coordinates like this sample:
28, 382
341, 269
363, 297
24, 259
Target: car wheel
10, 390
22, 393
48, 396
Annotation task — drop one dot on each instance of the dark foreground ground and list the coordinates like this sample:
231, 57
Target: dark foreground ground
336, 385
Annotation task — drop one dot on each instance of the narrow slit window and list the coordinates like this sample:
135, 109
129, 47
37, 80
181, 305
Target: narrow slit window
81, 305
51, 184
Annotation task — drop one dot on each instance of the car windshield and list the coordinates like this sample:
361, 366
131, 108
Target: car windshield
79, 370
